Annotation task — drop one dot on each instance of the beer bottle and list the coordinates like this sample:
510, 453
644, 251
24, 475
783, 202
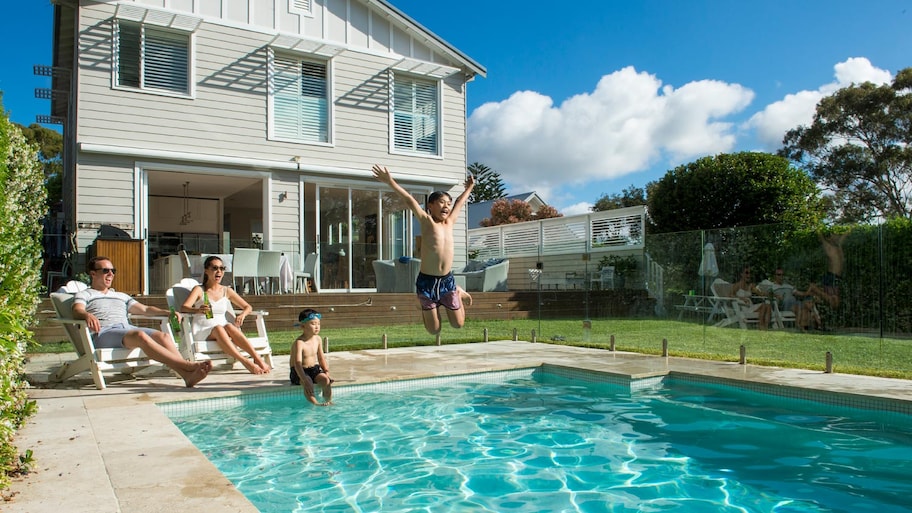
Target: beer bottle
175, 324
206, 302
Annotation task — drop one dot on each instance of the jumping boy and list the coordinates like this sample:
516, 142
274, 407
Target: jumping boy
435, 284
308, 365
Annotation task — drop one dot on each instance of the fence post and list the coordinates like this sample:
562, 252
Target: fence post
611, 344
829, 363
533, 336
515, 338
486, 334
438, 339
664, 347
742, 359
325, 344
384, 341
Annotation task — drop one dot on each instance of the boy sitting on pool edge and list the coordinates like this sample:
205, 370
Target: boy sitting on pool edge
308, 364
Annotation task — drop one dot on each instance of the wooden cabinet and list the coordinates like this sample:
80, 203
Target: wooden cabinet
129, 258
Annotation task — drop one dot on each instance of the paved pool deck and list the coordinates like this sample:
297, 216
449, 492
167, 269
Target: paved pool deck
113, 450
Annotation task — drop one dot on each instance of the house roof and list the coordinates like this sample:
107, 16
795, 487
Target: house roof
479, 211
442, 45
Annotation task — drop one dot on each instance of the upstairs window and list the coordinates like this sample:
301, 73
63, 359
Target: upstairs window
299, 99
151, 58
416, 118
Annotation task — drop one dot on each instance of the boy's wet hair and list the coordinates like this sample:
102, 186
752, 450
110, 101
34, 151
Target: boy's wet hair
308, 314
436, 195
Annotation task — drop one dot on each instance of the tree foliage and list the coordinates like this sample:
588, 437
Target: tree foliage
22, 198
488, 185
50, 154
629, 197
505, 211
547, 212
859, 147
731, 190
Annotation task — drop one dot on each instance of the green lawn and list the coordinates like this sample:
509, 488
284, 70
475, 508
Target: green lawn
851, 354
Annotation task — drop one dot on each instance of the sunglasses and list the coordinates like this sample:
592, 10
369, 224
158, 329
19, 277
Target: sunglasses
218, 268
107, 270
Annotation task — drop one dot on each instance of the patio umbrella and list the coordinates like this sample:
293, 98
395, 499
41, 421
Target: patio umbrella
709, 268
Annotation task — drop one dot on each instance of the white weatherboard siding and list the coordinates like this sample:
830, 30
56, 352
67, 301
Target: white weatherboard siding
228, 115
221, 124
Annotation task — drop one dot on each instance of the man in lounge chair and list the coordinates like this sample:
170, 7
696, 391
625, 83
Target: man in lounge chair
105, 312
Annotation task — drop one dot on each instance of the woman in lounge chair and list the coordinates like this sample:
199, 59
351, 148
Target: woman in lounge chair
212, 297
743, 289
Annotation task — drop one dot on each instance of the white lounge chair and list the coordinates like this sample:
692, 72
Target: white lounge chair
198, 350
733, 309
92, 359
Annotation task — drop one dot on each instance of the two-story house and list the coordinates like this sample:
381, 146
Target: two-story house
210, 125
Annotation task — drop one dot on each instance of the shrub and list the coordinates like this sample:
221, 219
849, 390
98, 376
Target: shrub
22, 205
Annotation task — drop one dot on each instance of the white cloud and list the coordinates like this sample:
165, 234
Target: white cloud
797, 109
577, 208
628, 123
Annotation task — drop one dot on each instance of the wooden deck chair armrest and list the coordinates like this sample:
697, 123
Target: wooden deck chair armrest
162, 320
64, 320
149, 317
255, 313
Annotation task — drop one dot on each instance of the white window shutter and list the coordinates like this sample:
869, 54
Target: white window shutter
415, 115
166, 61
300, 100
153, 59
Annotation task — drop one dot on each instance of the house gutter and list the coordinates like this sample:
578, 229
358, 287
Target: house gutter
277, 165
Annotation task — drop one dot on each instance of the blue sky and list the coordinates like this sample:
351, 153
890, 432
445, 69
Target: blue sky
586, 98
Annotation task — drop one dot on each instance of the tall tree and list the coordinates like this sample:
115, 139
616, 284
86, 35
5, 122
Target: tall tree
50, 152
488, 185
629, 197
859, 147
731, 190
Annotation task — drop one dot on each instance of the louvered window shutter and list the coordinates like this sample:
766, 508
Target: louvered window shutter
415, 115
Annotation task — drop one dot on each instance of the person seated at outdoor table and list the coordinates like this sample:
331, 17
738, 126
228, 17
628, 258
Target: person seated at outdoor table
801, 303
218, 301
743, 289
105, 312
783, 292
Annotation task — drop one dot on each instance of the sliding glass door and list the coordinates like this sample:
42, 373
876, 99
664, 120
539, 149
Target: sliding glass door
359, 226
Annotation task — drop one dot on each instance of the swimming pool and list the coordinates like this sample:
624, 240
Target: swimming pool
530, 440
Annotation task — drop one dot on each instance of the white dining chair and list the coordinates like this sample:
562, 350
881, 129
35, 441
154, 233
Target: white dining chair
244, 268
306, 272
269, 268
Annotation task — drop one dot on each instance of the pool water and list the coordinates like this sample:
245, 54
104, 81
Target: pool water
541, 442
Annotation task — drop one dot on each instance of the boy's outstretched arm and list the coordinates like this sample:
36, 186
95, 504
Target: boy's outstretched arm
383, 174
461, 199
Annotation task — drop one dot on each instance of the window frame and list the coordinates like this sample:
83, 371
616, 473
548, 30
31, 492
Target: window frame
142, 62
414, 150
272, 132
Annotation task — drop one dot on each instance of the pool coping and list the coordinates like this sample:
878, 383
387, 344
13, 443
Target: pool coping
115, 450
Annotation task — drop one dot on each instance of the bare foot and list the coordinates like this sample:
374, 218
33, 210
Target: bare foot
464, 296
193, 377
266, 368
252, 367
